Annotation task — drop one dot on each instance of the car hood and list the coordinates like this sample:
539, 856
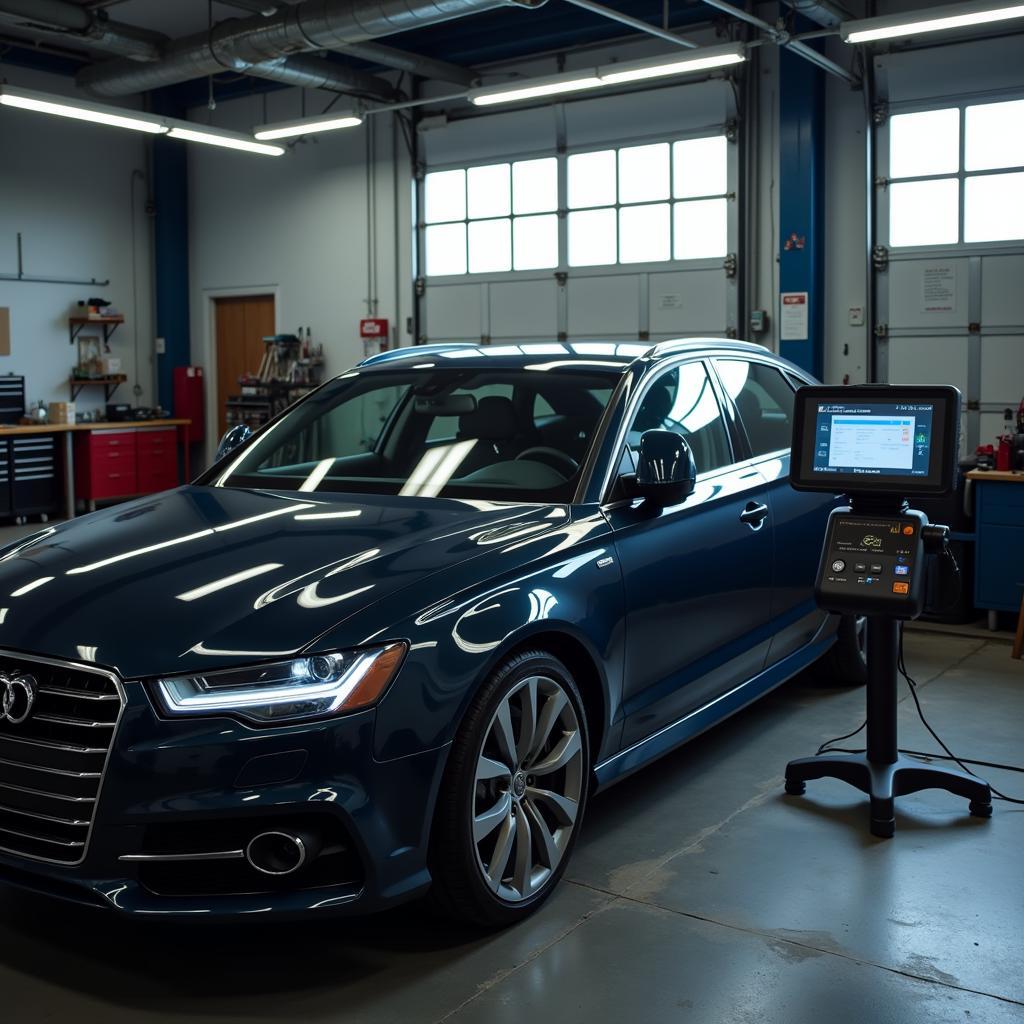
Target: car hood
204, 577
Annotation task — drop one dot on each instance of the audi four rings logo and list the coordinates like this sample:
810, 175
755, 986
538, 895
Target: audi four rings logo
17, 698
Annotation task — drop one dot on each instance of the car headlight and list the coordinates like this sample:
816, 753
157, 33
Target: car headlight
283, 691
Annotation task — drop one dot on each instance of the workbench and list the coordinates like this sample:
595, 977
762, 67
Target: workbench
88, 439
999, 534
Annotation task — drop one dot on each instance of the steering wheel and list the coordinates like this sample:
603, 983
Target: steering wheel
558, 461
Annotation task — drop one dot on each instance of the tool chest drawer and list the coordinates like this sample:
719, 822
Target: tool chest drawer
123, 463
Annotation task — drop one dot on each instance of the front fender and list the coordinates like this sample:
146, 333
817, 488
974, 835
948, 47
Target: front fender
456, 643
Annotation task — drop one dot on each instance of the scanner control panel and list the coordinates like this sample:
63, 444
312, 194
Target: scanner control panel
873, 565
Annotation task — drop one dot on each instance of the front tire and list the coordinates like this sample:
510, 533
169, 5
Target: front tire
513, 794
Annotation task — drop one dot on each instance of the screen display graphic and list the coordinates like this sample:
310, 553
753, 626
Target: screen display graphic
873, 438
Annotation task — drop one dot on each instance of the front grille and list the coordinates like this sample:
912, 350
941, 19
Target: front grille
51, 765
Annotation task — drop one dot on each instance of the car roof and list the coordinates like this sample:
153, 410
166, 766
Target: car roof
608, 356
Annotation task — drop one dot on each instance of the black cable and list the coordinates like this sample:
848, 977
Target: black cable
927, 755
902, 666
827, 747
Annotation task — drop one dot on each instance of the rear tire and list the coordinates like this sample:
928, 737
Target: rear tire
513, 794
846, 663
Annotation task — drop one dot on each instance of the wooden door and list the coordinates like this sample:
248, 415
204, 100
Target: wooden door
242, 322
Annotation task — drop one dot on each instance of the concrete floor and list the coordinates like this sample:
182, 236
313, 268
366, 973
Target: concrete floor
698, 892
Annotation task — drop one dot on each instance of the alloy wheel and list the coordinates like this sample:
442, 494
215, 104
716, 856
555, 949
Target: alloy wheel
528, 785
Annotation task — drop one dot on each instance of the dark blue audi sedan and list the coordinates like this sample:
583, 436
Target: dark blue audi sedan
393, 641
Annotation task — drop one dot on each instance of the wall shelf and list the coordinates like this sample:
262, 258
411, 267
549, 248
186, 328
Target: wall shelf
108, 323
110, 384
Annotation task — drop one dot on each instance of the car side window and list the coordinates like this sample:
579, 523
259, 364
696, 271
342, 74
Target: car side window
764, 399
683, 400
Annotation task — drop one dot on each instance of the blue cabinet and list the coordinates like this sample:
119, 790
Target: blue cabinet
999, 511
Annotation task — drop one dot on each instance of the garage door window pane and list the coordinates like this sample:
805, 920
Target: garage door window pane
445, 195
593, 238
924, 212
489, 192
927, 142
446, 249
994, 207
535, 242
644, 234
699, 167
592, 179
535, 186
643, 173
994, 136
700, 229
490, 246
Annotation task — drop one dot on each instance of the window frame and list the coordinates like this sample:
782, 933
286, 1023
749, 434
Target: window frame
563, 210
612, 474
961, 175
741, 428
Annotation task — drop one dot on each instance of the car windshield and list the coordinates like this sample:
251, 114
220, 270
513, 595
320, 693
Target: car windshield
492, 434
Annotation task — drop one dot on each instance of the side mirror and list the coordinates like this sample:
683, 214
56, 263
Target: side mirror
666, 473
236, 436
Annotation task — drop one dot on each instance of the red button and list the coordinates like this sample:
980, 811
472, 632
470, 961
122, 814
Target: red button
901, 588
908, 531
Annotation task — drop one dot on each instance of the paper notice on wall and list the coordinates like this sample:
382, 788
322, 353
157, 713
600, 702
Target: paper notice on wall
794, 317
938, 288
5, 331
670, 300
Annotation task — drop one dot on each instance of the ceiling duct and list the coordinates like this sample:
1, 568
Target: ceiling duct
822, 12
308, 72
92, 29
313, 25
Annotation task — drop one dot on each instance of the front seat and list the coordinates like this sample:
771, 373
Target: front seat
493, 424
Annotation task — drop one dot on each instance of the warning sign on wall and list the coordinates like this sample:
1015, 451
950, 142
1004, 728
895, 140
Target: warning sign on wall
794, 318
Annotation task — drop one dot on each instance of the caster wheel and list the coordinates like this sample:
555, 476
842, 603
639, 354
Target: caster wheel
981, 810
884, 828
795, 787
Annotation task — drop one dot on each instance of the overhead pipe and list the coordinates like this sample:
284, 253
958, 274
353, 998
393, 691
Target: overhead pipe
305, 71
634, 23
783, 38
412, 63
92, 28
313, 25
822, 12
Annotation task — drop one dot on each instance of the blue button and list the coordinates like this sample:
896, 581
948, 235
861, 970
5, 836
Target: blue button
901, 559
902, 570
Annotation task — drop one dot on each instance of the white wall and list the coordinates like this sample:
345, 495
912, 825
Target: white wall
66, 186
296, 226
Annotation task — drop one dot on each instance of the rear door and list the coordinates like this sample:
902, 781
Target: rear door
697, 575
764, 398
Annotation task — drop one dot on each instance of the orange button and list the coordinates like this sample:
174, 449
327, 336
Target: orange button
901, 588
908, 531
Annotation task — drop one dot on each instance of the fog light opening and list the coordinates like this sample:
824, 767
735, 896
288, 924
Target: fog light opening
281, 853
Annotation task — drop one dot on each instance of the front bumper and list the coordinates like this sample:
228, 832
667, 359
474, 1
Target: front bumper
190, 782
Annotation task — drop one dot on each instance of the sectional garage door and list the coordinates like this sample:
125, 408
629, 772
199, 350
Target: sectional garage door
620, 222
950, 264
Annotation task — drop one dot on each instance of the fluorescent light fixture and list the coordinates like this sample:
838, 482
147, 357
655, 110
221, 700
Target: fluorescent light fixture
229, 140
663, 66
703, 59
535, 88
79, 110
928, 19
307, 125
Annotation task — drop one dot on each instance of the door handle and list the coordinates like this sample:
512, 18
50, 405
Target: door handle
754, 515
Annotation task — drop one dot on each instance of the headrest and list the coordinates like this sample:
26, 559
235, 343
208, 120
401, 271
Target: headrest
494, 419
654, 409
